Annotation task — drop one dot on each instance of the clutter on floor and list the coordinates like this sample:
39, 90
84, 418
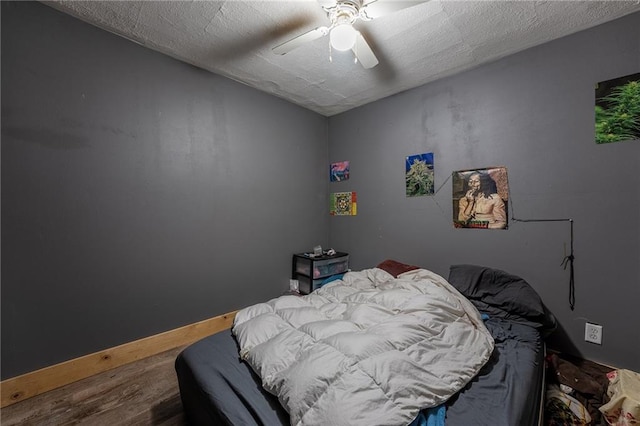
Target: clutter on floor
623, 407
576, 389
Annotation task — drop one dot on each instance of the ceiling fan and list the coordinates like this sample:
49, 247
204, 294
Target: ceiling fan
342, 35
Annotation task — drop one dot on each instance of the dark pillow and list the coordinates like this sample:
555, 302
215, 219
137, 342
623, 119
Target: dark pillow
503, 295
396, 268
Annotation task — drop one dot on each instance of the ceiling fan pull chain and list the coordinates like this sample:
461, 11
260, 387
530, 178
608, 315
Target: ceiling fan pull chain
355, 56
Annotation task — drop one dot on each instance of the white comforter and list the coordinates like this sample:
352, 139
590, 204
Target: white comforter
365, 350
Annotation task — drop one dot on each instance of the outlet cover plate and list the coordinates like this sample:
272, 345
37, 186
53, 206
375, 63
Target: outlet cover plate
593, 333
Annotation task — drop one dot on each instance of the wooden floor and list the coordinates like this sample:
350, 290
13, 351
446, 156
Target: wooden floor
141, 393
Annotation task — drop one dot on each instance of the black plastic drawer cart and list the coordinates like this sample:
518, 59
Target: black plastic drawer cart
312, 271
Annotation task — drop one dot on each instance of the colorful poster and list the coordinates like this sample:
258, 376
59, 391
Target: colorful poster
343, 204
419, 175
480, 198
339, 171
618, 109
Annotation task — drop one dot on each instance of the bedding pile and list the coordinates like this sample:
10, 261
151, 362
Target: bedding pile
368, 349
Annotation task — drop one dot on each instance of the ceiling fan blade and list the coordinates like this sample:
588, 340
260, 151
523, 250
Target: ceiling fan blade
364, 53
288, 46
377, 8
327, 4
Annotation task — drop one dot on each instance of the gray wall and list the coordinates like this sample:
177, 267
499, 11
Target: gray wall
533, 113
139, 194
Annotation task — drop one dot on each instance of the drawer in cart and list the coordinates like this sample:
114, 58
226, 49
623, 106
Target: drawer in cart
306, 285
322, 267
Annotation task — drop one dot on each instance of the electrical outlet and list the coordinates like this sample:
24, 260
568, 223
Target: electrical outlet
593, 333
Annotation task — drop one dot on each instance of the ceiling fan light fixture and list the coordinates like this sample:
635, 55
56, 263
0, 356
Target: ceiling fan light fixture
343, 37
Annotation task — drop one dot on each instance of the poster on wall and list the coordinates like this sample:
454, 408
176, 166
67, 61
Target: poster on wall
419, 175
617, 109
339, 171
480, 198
343, 204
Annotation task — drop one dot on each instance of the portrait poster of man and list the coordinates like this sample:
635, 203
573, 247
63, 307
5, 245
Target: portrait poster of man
480, 198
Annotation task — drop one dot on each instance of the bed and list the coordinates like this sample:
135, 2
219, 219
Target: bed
502, 387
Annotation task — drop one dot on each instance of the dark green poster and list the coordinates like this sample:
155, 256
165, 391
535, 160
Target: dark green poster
617, 109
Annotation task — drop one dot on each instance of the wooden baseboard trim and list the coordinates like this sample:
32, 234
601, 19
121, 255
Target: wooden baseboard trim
28, 385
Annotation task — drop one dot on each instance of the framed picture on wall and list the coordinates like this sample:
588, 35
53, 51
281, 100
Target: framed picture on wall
480, 198
339, 171
617, 109
419, 174
343, 204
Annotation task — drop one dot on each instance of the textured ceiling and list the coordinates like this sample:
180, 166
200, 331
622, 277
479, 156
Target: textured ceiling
418, 44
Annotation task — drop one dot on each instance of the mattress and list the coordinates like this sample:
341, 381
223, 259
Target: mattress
218, 388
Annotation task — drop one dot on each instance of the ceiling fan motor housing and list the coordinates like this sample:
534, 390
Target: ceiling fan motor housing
344, 12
